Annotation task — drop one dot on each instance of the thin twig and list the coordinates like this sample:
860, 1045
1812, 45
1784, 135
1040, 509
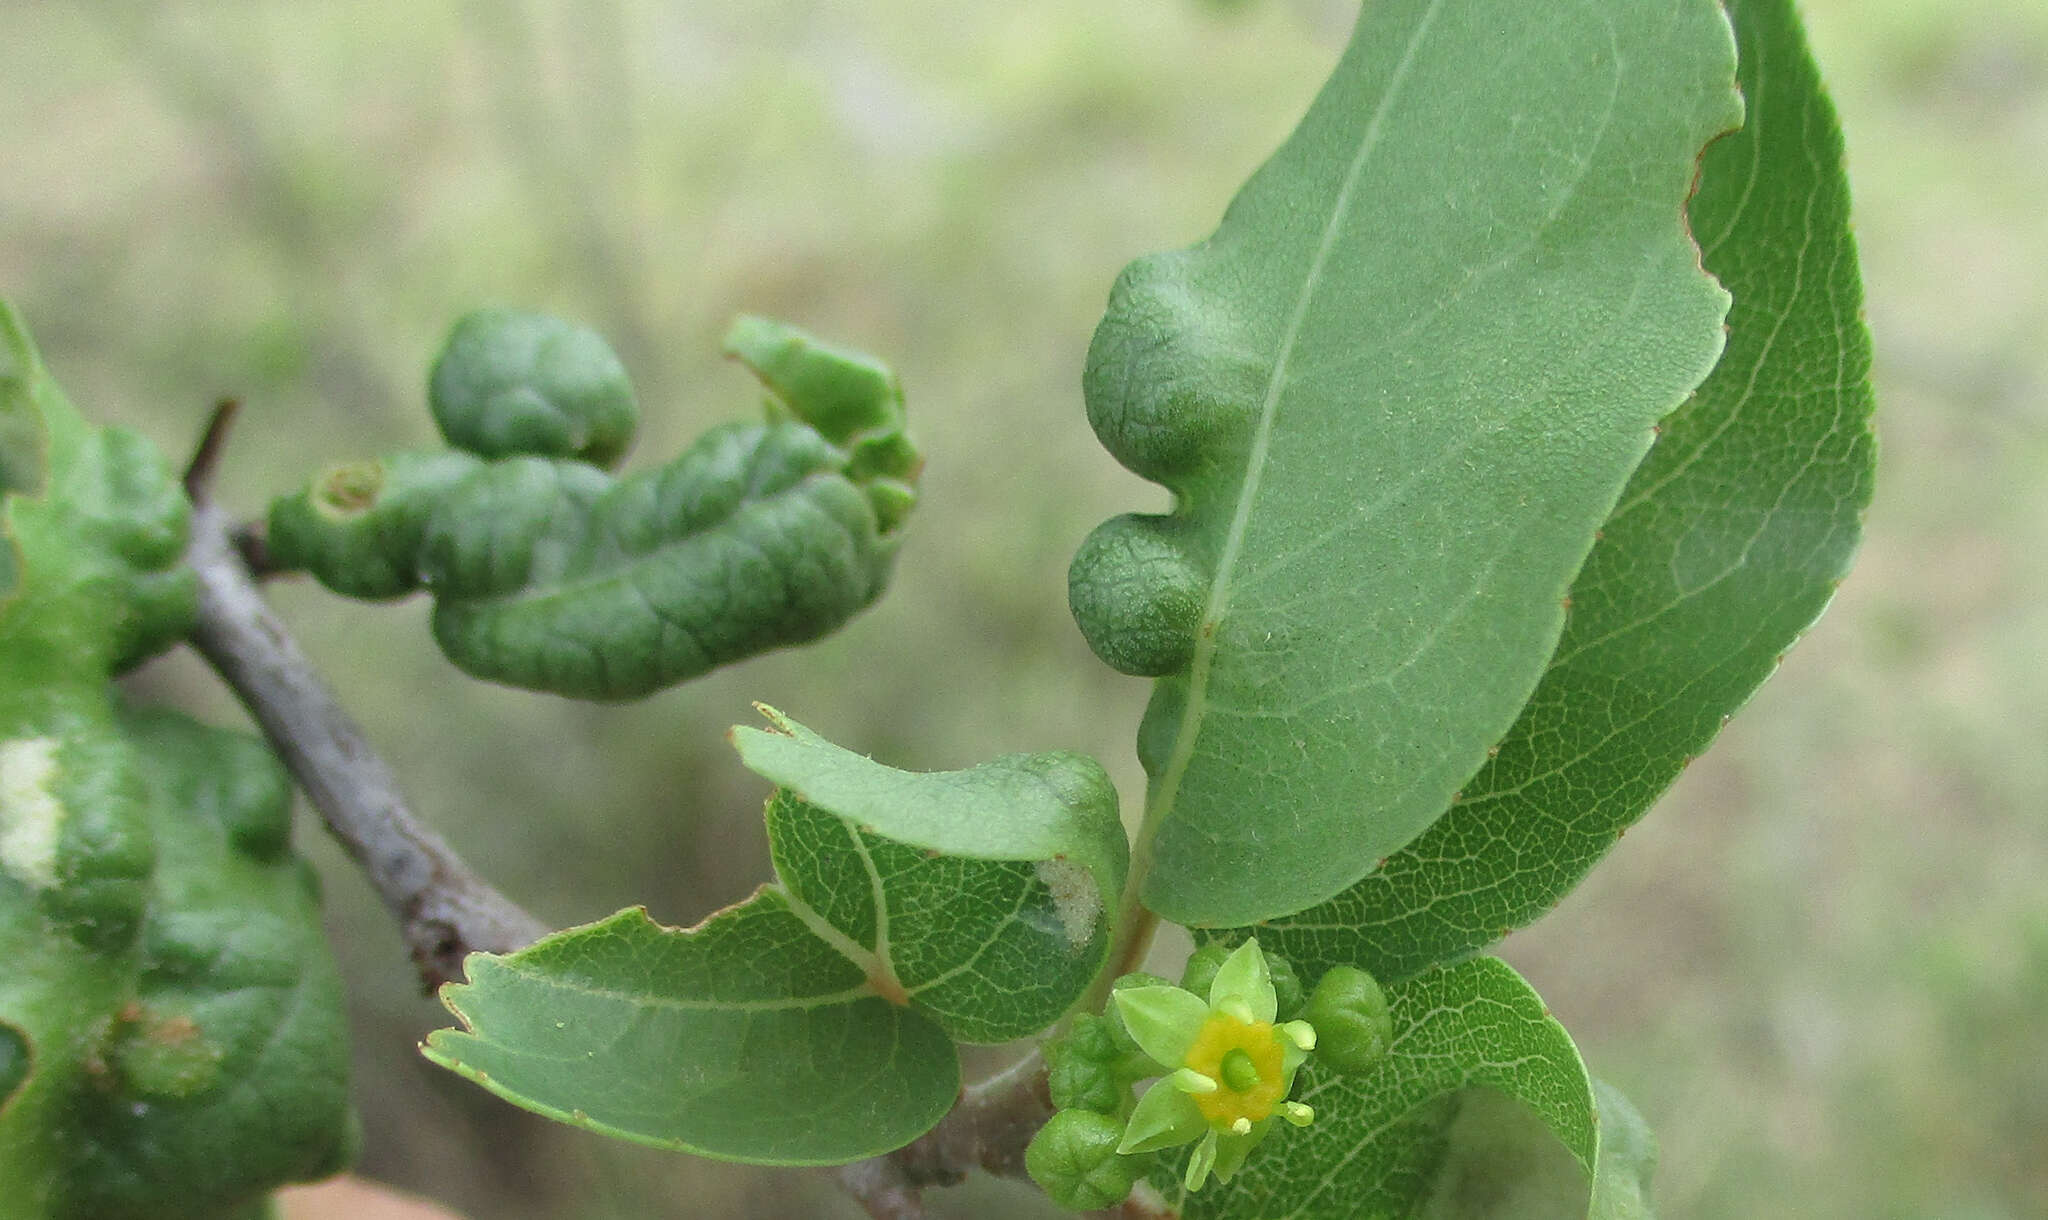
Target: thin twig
880, 1187
205, 461
444, 910
988, 1129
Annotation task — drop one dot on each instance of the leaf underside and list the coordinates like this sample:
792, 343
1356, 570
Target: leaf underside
1726, 545
1395, 395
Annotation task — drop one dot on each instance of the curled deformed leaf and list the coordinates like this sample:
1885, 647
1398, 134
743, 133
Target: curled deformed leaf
1395, 395
234, 1035
358, 527
814, 1023
182, 1029
1726, 545
171, 1037
99, 515
548, 573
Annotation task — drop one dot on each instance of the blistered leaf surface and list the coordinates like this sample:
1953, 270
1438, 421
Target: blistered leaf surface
551, 574
171, 1037
1727, 543
1396, 394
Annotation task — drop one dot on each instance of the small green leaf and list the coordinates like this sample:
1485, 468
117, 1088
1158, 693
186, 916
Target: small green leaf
1394, 395
747, 1038
1727, 544
810, 1024
514, 382
1387, 1141
985, 894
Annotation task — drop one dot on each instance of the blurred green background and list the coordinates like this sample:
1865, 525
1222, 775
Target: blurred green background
1820, 967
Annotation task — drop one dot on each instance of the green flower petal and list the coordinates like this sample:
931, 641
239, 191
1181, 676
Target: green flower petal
1231, 1150
1163, 1021
1165, 1116
1244, 976
1201, 1162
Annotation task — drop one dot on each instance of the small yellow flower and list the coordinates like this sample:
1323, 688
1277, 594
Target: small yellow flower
1227, 1067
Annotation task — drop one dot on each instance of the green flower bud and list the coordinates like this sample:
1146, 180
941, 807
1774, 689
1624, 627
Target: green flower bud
1286, 987
1349, 1012
1200, 971
1073, 1158
1082, 1068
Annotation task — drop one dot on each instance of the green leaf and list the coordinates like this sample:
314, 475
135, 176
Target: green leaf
1628, 1156
171, 1037
550, 574
1474, 1053
813, 1024
747, 1038
94, 526
172, 988
1395, 395
984, 894
1727, 544
359, 526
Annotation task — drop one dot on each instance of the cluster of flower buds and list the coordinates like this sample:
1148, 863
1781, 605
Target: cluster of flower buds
1221, 1048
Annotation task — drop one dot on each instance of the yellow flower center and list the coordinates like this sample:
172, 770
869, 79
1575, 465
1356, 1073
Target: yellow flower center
1253, 1044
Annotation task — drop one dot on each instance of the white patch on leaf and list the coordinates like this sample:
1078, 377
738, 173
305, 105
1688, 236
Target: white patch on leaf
1074, 896
31, 819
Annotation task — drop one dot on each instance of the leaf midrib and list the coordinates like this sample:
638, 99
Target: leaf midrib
1168, 788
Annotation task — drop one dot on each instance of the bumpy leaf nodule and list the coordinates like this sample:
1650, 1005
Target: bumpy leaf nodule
1395, 395
511, 382
1726, 545
813, 1023
171, 1038
550, 574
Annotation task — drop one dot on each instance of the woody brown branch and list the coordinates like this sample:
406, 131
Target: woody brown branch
445, 910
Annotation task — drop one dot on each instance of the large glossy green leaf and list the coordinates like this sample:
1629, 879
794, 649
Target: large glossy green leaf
814, 1023
1481, 1108
1395, 395
549, 573
1727, 544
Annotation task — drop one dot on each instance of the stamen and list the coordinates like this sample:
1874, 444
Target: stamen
1243, 1126
1188, 1080
1297, 1113
1301, 1033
